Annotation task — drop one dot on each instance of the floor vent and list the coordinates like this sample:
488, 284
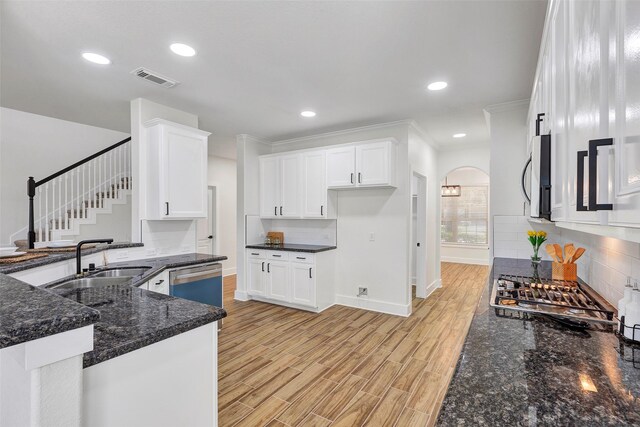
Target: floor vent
153, 77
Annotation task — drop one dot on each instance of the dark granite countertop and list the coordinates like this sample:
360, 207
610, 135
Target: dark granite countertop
52, 258
28, 313
531, 371
132, 318
291, 247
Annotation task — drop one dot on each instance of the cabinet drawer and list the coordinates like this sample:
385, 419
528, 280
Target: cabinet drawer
256, 253
278, 255
302, 257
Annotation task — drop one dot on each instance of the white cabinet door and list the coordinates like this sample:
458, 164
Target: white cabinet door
624, 173
373, 164
341, 165
290, 188
160, 283
277, 279
586, 109
314, 198
256, 271
185, 175
303, 282
269, 187
558, 80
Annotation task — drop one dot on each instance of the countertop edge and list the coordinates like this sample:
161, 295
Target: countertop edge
320, 248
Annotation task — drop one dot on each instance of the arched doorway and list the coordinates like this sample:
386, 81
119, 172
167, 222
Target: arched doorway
464, 217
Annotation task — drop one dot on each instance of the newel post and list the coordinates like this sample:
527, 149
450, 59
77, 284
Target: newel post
31, 192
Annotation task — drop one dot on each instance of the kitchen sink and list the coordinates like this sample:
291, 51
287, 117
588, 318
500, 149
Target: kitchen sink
92, 282
122, 272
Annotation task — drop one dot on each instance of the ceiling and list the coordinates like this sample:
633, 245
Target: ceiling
260, 63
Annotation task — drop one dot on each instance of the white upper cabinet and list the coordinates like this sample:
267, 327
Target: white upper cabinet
280, 186
368, 164
588, 86
176, 165
341, 167
624, 179
314, 182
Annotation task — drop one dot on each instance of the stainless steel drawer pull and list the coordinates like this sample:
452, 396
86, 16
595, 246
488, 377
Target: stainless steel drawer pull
310, 273
300, 257
254, 253
277, 256
159, 282
262, 265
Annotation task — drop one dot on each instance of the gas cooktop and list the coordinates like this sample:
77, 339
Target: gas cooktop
568, 300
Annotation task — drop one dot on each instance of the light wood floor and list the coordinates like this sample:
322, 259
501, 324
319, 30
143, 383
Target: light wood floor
345, 366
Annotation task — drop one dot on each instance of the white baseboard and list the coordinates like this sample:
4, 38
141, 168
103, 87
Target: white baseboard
474, 261
229, 271
241, 296
433, 286
374, 305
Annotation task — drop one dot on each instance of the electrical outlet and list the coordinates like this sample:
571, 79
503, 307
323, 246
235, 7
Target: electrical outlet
363, 292
372, 237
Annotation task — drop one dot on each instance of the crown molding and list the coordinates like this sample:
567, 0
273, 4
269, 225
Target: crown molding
246, 137
425, 136
341, 132
506, 106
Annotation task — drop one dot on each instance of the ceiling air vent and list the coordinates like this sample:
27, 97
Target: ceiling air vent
153, 77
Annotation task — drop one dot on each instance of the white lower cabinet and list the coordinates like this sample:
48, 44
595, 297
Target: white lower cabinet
296, 279
303, 284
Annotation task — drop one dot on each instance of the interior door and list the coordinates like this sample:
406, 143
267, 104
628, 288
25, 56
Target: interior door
341, 165
206, 227
278, 280
303, 283
372, 164
290, 177
269, 187
625, 96
314, 202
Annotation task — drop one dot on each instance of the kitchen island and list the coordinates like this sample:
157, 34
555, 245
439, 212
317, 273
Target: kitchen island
146, 357
527, 370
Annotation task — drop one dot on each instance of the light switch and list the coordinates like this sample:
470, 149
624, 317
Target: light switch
372, 237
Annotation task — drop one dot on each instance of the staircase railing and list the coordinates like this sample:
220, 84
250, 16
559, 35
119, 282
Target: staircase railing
72, 190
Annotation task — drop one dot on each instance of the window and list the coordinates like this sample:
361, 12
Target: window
465, 219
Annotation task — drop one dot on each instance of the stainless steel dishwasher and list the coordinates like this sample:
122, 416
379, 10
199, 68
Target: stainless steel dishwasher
202, 283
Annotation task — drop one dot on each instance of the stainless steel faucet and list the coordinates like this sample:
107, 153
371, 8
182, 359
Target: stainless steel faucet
79, 252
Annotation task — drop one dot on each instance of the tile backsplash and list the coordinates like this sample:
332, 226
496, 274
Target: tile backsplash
605, 265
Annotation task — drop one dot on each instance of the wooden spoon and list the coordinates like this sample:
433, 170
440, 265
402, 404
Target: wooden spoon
569, 251
551, 251
558, 249
578, 254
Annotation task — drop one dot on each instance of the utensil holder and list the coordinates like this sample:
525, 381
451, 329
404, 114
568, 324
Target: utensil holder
561, 271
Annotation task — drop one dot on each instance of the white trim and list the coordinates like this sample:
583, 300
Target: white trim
433, 286
341, 132
424, 135
506, 106
374, 305
465, 245
229, 271
241, 296
459, 260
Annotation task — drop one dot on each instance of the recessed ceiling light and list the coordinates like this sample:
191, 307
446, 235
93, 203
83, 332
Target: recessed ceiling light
96, 58
437, 85
459, 135
308, 113
182, 49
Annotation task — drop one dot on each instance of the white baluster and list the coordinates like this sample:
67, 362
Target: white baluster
66, 199
46, 210
40, 213
59, 203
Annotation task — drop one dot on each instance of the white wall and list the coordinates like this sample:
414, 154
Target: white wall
223, 175
34, 145
508, 129
423, 159
466, 176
